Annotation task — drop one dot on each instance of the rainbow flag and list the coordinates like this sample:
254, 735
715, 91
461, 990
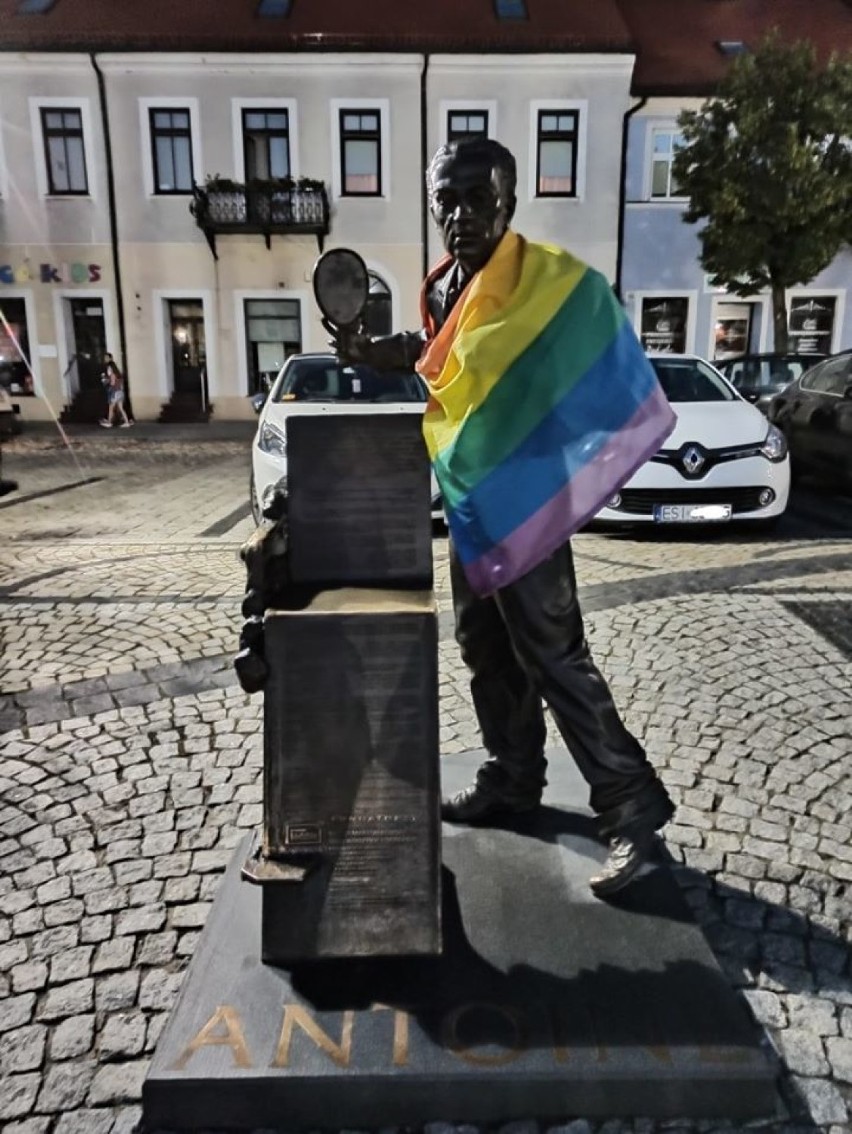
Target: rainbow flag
542, 406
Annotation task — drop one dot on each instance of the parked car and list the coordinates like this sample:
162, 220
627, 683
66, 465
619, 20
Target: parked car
815, 415
321, 383
759, 377
724, 461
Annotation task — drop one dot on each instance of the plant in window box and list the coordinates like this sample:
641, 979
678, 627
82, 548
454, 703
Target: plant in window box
225, 200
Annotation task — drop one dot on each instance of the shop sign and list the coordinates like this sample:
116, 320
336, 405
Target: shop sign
75, 272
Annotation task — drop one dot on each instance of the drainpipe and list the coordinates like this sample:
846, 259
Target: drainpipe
424, 162
113, 228
622, 195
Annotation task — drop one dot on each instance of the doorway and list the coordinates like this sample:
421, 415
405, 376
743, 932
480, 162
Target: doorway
377, 314
189, 349
87, 342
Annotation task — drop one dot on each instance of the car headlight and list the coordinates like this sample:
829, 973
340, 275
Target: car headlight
272, 440
774, 447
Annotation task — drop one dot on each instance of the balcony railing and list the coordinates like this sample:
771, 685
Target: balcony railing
264, 207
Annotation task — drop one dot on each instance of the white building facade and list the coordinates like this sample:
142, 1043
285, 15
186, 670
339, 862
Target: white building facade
99, 250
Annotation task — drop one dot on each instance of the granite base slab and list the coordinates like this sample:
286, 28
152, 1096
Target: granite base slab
544, 1003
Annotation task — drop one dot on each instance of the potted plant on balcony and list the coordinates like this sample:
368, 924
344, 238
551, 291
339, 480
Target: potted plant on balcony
225, 200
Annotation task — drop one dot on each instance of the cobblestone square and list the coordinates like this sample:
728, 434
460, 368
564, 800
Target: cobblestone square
130, 758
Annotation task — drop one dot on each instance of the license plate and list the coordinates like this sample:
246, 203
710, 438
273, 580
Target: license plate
691, 513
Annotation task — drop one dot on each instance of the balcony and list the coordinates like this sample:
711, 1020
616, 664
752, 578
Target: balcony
286, 207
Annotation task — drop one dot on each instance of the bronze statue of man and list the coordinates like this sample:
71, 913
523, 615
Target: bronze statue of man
523, 642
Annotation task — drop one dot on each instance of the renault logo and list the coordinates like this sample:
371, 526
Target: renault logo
692, 459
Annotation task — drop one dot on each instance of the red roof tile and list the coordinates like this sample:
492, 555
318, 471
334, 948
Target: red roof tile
231, 25
676, 39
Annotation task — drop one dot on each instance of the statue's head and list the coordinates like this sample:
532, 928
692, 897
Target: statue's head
471, 187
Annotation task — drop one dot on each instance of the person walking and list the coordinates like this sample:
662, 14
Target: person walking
542, 406
113, 380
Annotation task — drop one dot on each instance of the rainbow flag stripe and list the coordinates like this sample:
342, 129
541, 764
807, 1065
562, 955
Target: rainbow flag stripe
542, 406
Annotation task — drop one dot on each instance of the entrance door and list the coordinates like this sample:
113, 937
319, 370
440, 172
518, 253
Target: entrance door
88, 341
189, 352
377, 315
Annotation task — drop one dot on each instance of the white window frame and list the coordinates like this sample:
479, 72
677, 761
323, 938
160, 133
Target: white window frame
382, 105
241, 338
467, 105
177, 102
32, 336
159, 298
238, 105
658, 126
62, 328
581, 106
690, 295
42, 181
839, 295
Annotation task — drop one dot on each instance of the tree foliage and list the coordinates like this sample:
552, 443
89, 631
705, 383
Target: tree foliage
767, 165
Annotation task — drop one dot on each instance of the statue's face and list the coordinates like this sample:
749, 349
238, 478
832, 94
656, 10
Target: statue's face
472, 207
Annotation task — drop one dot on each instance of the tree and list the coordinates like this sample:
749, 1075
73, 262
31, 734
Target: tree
767, 164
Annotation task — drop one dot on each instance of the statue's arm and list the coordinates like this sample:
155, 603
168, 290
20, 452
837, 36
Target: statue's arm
382, 352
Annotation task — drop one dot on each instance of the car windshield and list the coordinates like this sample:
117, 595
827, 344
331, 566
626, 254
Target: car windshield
755, 375
327, 380
691, 380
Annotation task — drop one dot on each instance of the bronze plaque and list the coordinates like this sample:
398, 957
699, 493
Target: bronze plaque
359, 499
351, 788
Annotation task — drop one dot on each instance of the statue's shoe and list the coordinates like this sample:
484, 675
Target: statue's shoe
627, 855
478, 804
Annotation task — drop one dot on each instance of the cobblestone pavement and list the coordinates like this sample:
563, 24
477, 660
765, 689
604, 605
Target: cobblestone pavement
130, 760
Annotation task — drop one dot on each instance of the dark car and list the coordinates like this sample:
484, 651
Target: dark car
759, 377
815, 415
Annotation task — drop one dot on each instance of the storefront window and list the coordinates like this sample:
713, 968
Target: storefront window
663, 329
732, 330
812, 323
15, 377
273, 333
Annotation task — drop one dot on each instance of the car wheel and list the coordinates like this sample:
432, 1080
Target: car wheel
256, 513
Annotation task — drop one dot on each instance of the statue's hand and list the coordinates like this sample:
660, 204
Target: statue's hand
348, 343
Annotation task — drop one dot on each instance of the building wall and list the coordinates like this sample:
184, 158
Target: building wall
163, 254
516, 86
52, 249
649, 278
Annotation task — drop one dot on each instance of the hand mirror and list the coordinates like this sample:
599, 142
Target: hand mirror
341, 286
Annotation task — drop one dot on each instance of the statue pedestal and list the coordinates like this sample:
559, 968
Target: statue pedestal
545, 1002
352, 833
349, 856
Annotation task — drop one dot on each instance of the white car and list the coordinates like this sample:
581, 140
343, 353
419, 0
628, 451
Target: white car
321, 383
723, 462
